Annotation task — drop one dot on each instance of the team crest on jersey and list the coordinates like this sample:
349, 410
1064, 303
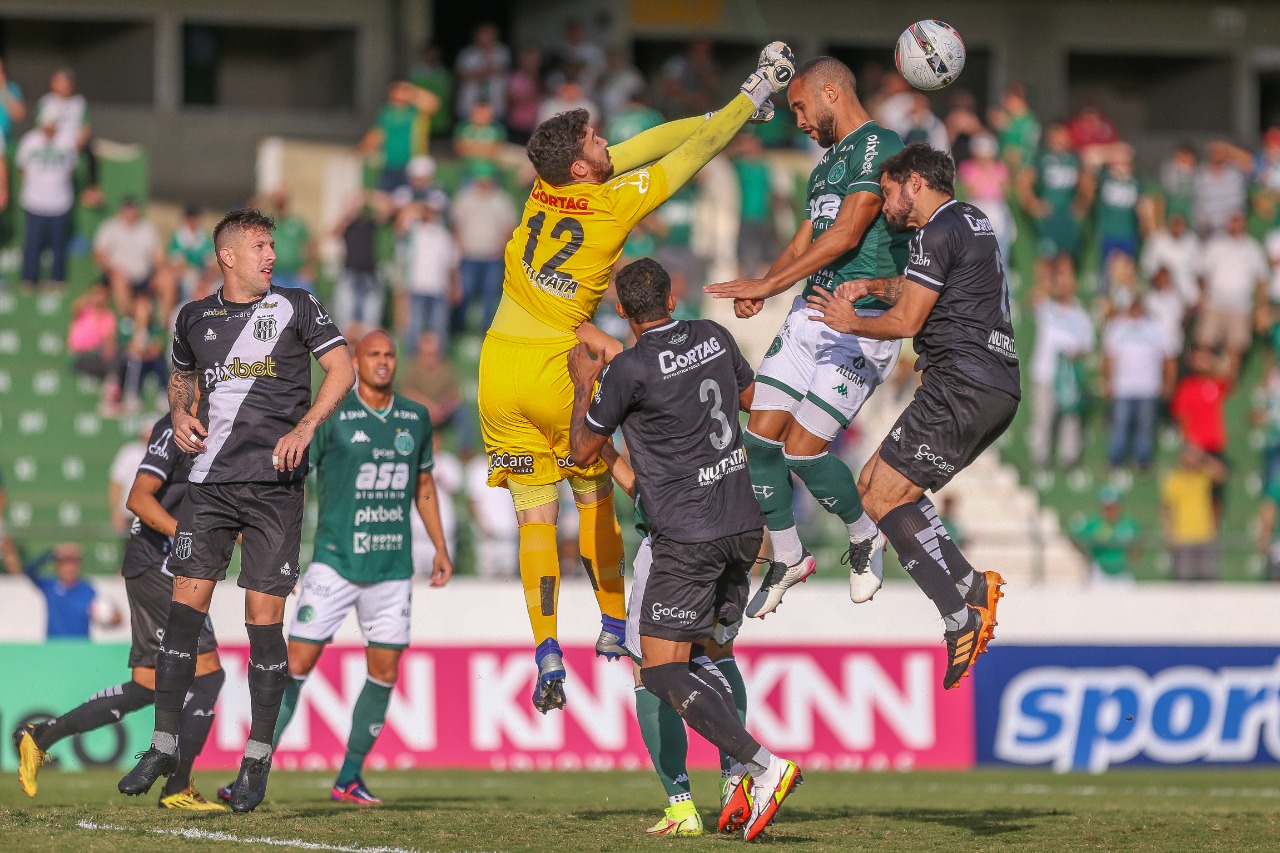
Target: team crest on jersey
836, 173
182, 546
775, 347
264, 328
404, 443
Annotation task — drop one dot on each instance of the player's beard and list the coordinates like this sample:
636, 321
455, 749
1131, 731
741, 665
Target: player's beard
898, 219
826, 127
603, 170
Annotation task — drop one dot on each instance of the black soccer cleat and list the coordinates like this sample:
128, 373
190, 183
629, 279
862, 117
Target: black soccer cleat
152, 764
250, 787
964, 644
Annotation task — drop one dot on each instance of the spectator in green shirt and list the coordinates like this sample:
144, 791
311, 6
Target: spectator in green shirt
1111, 539
1018, 131
480, 140
431, 74
190, 253
1116, 203
398, 132
633, 119
295, 252
757, 238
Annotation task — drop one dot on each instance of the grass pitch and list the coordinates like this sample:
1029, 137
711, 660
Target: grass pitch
987, 810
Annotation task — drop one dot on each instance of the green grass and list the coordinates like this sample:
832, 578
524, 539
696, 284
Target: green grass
985, 810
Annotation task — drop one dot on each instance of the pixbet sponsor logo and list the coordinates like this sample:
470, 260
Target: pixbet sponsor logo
925, 454
1093, 718
378, 515
239, 369
873, 148
660, 611
672, 362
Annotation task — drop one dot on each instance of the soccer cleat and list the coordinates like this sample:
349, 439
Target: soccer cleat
355, 792
735, 802
152, 764
866, 568
985, 592
613, 633
777, 581
548, 693
767, 798
250, 786
964, 645
681, 819
30, 757
777, 64
190, 800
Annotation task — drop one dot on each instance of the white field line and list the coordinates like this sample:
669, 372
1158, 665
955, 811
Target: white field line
208, 835
1033, 789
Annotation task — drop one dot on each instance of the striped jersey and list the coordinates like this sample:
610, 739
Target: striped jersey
253, 363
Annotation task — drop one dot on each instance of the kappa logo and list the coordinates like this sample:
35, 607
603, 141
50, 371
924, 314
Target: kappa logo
360, 436
375, 729
182, 546
264, 328
210, 335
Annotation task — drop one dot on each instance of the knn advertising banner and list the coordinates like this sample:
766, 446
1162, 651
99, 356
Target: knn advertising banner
826, 707
1096, 707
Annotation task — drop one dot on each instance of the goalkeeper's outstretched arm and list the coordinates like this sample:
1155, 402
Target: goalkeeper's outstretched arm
644, 148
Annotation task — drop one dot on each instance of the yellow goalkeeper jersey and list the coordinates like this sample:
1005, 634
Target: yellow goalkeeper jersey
562, 253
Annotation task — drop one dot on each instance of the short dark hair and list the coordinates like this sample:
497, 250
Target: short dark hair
643, 288
238, 221
827, 69
935, 167
556, 143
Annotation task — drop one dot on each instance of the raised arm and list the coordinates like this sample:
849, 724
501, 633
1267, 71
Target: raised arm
654, 143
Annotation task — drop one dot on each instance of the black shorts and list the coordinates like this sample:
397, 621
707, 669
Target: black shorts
149, 596
269, 515
692, 585
947, 425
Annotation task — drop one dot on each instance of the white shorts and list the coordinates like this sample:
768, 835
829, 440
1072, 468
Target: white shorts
821, 376
382, 608
640, 567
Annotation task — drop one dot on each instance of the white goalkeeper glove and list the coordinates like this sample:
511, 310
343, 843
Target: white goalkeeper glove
763, 114
774, 70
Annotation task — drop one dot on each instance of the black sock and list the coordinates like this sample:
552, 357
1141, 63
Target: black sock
702, 707
268, 672
704, 669
916, 542
957, 565
197, 722
175, 670
100, 709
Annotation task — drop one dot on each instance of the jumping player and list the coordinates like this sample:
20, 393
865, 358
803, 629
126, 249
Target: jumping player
158, 488
954, 299
813, 380
674, 397
558, 266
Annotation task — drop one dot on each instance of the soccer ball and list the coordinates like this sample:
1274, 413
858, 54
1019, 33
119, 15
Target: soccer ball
929, 55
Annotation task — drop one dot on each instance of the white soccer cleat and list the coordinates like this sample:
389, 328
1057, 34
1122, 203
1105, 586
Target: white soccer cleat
777, 581
866, 568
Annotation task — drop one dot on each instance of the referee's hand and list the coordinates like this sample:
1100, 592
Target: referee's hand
291, 447
188, 433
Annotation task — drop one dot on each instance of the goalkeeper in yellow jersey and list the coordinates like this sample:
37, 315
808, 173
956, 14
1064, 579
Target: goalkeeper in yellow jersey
558, 266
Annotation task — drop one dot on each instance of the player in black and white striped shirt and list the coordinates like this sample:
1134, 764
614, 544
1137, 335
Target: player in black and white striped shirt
249, 348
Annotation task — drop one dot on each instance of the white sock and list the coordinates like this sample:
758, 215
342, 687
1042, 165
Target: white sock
862, 528
786, 545
955, 620
680, 798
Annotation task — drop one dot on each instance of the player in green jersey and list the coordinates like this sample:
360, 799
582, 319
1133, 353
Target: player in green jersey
373, 466
813, 380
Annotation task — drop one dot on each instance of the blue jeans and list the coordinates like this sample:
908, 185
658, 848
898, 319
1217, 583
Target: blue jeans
428, 314
1133, 426
481, 284
51, 232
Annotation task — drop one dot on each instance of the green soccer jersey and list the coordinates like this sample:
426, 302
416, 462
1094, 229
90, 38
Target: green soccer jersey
367, 466
1117, 205
1057, 178
852, 166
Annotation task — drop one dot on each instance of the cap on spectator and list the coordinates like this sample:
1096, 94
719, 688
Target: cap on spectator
1108, 495
421, 166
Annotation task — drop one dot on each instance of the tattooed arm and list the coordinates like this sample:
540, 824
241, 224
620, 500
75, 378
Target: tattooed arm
188, 432
584, 442
338, 379
887, 290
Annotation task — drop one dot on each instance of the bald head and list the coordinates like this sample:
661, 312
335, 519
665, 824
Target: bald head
375, 362
825, 101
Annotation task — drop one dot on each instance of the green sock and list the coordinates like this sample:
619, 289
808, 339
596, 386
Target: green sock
666, 740
771, 480
366, 722
729, 669
831, 482
288, 704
